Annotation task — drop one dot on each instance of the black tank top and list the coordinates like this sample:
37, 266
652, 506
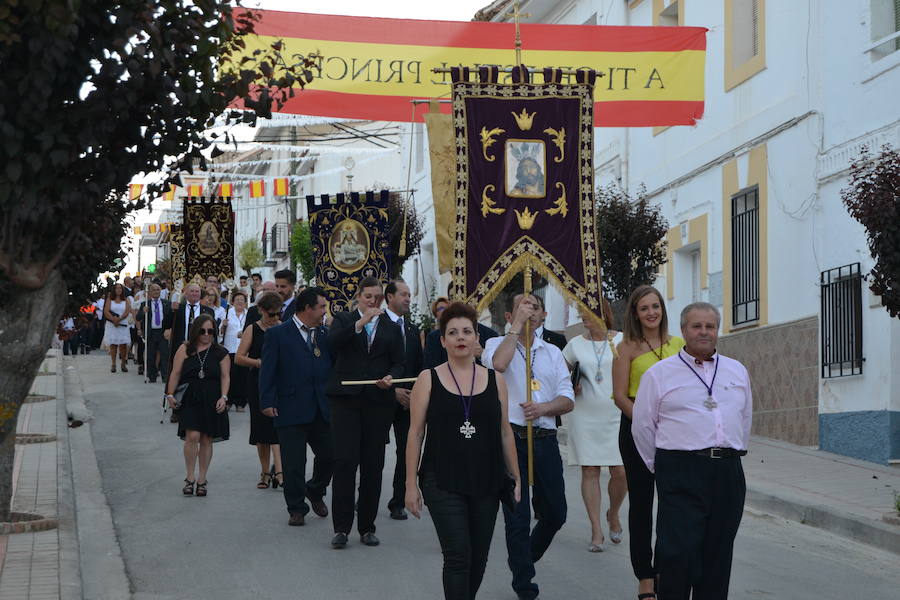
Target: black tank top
471, 466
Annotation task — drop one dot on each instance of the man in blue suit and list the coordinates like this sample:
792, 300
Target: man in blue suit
296, 365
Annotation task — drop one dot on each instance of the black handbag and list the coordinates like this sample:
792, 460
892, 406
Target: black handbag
576, 374
508, 492
179, 395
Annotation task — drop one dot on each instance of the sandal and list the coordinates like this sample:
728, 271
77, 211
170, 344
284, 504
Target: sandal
201, 489
124, 367
264, 480
277, 480
188, 489
614, 536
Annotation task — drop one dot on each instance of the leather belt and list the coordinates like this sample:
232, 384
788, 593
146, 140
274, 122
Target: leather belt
711, 452
522, 432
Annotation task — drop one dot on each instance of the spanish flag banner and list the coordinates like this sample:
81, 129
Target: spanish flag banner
195, 191
281, 186
137, 230
152, 228
163, 227
134, 191
225, 190
257, 188
170, 194
371, 68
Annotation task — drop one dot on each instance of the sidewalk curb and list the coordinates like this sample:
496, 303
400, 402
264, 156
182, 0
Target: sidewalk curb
70, 585
103, 573
872, 533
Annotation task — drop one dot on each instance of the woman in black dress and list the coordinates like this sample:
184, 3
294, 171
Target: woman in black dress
205, 366
463, 406
249, 354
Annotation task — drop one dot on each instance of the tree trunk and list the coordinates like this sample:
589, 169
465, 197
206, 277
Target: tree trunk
28, 320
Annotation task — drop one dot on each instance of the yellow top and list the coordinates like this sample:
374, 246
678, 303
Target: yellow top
641, 363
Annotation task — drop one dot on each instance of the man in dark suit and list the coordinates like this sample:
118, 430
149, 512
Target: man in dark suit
552, 337
296, 363
365, 346
152, 322
285, 281
398, 299
436, 354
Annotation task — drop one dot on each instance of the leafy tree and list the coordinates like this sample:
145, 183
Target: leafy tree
250, 255
414, 224
873, 198
632, 243
301, 250
96, 92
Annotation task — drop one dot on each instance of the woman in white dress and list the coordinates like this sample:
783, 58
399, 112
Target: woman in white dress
116, 310
593, 427
231, 329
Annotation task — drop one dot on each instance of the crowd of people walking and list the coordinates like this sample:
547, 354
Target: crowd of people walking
457, 401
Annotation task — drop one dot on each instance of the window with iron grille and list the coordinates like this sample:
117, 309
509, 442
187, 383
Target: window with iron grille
842, 349
745, 257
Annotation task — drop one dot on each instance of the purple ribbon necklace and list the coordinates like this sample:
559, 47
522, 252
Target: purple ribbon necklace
467, 430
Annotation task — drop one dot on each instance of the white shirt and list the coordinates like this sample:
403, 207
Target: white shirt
669, 410
235, 325
164, 294
547, 366
302, 328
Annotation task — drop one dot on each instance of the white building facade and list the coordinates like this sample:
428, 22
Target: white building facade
752, 196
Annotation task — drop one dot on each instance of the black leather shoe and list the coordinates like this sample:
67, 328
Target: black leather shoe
318, 506
339, 541
369, 539
527, 595
296, 520
398, 514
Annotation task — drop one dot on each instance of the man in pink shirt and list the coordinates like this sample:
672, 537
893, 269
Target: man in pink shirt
691, 425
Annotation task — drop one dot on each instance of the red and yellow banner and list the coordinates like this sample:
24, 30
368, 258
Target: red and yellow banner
371, 68
170, 194
137, 230
195, 190
257, 188
134, 191
281, 186
225, 190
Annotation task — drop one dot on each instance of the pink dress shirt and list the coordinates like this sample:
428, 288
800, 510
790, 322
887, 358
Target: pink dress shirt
669, 410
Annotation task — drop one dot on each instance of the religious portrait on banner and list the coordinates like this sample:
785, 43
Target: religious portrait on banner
209, 239
349, 238
208, 242
525, 169
348, 245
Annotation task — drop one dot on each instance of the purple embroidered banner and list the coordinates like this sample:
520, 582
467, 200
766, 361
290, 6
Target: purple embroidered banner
524, 196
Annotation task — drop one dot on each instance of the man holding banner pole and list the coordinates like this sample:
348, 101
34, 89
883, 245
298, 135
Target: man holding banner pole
551, 395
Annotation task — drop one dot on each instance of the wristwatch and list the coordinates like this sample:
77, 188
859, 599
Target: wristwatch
223, 396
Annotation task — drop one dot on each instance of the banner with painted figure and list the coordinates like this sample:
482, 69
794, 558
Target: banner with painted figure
524, 185
349, 235
208, 229
370, 68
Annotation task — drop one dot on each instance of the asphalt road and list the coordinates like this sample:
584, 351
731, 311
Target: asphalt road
236, 543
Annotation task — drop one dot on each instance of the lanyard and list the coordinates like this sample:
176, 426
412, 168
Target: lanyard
709, 388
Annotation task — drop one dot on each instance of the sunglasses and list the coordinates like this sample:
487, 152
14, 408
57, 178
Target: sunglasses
272, 315
207, 331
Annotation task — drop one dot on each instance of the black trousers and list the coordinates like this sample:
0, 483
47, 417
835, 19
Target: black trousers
293, 440
401, 432
701, 501
359, 425
640, 504
157, 349
465, 526
138, 343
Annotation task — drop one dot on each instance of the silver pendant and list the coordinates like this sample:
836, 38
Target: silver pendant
316, 352
598, 377
709, 403
201, 374
467, 430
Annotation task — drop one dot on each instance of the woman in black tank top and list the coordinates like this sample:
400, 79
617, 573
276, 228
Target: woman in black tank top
468, 451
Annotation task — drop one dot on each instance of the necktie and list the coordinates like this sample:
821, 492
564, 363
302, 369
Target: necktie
309, 335
370, 331
402, 329
191, 317
156, 313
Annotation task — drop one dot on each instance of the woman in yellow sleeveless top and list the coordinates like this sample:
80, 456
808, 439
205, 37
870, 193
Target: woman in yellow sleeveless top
646, 341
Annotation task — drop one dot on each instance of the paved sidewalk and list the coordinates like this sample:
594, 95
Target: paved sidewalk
39, 565
845, 496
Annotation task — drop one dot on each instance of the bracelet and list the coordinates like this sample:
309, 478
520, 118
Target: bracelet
514, 332
167, 396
